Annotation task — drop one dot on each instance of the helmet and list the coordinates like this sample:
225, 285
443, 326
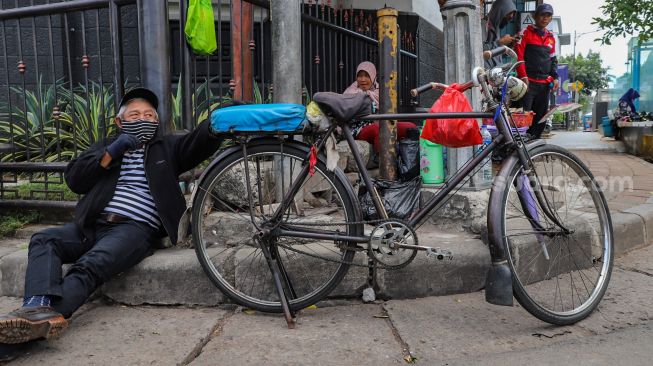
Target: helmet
516, 88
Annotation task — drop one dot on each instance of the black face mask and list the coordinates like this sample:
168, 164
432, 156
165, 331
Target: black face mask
144, 130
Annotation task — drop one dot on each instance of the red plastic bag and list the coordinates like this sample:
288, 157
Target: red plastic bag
452, 132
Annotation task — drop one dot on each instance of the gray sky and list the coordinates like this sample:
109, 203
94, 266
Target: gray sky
577, 16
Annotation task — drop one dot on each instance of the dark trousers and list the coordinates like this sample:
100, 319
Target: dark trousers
117, 247
537, 100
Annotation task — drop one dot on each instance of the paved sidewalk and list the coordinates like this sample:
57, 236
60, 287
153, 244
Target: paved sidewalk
445, 330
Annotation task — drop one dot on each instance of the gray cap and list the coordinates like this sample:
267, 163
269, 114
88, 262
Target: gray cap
544, 8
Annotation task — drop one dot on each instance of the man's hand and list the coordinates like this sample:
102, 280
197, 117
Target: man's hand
556, 84
525, 80
506, 40
123, 143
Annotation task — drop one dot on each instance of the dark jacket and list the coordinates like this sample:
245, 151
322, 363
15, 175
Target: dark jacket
165, 159
628, 100
538, 49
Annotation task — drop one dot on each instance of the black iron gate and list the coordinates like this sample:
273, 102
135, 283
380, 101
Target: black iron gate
65, 64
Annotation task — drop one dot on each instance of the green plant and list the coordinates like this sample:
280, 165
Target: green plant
25, 191
9, 223
27, 125
203, 99
558, 117
87, 118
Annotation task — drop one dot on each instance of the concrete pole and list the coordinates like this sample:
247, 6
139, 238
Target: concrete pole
462, 52
286, 51
387, 21
155, 56
286, 73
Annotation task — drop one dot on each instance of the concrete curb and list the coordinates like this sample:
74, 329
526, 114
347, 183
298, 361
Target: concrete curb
174, 276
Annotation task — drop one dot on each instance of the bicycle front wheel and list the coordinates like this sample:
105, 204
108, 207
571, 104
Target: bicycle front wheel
558, 276
223, 230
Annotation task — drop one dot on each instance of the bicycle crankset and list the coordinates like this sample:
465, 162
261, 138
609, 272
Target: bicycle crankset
393, 244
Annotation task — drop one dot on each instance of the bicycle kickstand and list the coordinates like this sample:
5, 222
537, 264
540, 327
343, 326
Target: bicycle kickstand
276, 276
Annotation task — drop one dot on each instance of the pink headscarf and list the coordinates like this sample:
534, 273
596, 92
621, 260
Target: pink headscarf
370, 69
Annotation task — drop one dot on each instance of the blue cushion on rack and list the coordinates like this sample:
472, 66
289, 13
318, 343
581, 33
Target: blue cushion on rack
259, 117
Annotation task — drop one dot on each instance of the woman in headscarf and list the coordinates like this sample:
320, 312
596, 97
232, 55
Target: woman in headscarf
501, 12
366, 83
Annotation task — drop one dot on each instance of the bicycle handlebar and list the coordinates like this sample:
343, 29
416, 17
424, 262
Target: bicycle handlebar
430, 86
499, 51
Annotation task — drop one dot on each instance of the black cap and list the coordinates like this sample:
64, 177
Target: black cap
544, 8
143, 93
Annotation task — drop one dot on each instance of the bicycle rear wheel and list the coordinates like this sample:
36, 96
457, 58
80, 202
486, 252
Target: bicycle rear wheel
558, 277
223, 230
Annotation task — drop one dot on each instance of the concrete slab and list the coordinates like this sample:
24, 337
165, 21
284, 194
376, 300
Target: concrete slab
578, 140
629, 232
627, 302
438, 329
627, 347
120, 335
428, 277
640, 260
343, 335
169, 277
644, 211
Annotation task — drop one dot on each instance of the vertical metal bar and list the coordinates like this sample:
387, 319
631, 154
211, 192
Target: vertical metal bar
261, 47
85, 65
155, 60
57, 122
21, 69
303, 43
387, 20
310, 53
184, 82
40, 113
116, 46
70, 82
102, 122
220, 46
11, 114
323, 58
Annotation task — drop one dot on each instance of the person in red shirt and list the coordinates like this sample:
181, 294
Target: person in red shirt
537, 47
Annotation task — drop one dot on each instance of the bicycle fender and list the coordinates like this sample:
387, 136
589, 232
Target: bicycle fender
498, 282
497, 251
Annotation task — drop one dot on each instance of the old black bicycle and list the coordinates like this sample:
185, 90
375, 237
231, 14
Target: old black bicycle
276, 230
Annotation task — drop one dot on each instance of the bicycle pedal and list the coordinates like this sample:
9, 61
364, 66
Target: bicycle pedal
439, 254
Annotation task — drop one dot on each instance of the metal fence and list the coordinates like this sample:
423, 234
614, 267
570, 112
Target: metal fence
65, 64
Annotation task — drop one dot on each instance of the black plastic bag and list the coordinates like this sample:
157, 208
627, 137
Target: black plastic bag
408, 159
400, 199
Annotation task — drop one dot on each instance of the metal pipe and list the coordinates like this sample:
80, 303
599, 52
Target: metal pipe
58, 8
116, 45
420, 116
186, 92
155, 56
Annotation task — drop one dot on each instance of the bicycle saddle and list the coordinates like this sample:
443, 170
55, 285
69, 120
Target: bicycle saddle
344, 107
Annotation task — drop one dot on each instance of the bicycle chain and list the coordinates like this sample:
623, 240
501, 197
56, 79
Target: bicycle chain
340, 244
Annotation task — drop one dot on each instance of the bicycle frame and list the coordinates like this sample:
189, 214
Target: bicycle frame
422, 213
